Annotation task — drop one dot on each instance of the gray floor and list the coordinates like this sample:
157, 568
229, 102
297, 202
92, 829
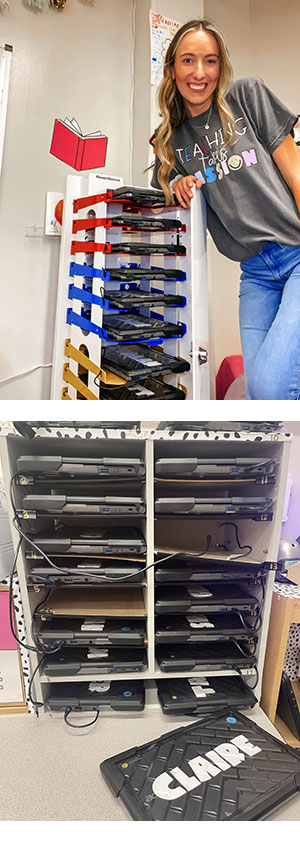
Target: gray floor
50, 772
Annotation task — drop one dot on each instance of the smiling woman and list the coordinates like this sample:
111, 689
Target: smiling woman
196, 70
234, 141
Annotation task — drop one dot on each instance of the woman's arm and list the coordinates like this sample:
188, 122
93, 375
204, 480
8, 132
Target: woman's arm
287, 159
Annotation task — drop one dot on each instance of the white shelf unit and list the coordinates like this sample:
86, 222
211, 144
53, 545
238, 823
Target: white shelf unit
186, 535
73, 340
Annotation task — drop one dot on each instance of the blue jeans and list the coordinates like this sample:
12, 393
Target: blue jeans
270, 322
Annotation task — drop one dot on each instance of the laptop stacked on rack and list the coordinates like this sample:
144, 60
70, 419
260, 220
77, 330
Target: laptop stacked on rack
86, 549
207, 611
123, 321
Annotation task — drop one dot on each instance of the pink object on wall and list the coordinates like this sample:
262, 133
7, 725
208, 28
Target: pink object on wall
7, 641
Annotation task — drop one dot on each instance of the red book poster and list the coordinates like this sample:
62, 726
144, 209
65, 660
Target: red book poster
83, 152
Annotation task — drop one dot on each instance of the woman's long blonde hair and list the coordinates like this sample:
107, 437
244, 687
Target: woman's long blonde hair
172, 107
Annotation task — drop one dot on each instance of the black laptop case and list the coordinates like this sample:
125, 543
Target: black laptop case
133, 222
98, 541
199, 696
199, 467
180, 571
135, 326
140, 248
120, 696
127, 299
217, 627
221, 768
215, 598
91, 631
196, 506
86, 573
132, 362
149, 389
132, 272
141, 197
83, 505
93, 660
54, 466
203, 657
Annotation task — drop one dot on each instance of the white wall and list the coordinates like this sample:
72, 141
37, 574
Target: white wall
275, 30
145, 96
76, 63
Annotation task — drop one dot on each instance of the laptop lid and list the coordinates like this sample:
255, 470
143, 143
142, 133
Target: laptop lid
101, 540
202, 657
217, 466
52, 464
117, 694
201, 627
146, 782
212, 505
203, 694
94, 659
130, 362
215, 598
83, 504
92, 630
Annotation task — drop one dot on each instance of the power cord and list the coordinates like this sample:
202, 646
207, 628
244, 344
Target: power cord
35, 703
254, 627
245, 653
38, 648
243, 678
78, 726
241, 547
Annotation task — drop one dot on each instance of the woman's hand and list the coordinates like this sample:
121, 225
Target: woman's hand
183, 189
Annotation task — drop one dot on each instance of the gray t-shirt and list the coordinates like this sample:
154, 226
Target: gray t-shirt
248, 202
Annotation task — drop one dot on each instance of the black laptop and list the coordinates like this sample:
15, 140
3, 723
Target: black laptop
215, 425
96, 467
94, 660
81, 505
199, 467
149, 389
202, 657
132, 272
201, 695
133, 222
212, 506
92, 630
220, 768
215, 598
127, 299
86, 573
118, 695
199, 627
137, 248
135, 326
140, 361
141, 197
95, 542
191, 569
